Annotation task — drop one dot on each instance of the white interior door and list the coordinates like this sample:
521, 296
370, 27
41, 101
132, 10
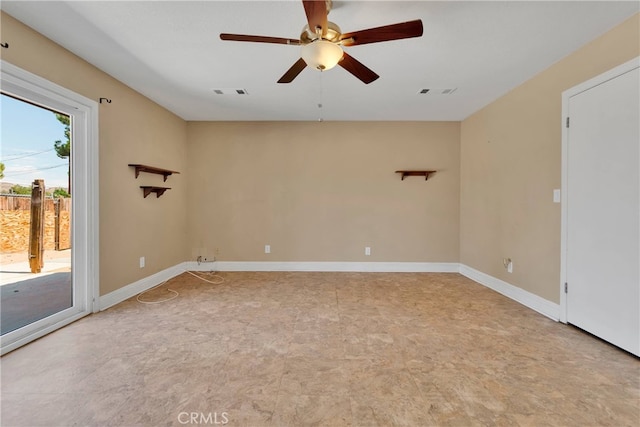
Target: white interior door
603, 210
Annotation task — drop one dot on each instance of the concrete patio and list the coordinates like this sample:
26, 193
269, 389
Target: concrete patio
27, 297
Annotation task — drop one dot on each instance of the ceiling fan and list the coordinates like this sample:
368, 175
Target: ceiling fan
322, 42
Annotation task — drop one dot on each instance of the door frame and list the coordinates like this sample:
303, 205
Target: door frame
24, 85
566, 96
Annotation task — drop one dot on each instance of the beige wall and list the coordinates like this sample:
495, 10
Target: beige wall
323, 191
133, 129
511, 162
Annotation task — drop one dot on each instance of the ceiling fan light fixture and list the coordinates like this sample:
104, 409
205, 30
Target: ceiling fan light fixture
321, 54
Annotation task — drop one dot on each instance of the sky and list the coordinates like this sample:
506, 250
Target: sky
26, 144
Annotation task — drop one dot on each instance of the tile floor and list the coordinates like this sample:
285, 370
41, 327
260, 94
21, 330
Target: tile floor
325, 349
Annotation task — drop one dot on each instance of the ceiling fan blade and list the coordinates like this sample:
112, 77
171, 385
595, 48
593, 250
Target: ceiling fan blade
403, 30
358, 69
316, 11
293, 72
258, 39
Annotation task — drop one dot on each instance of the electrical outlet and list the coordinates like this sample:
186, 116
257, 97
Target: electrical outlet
267, 249
203, 259
141, 262
367, 251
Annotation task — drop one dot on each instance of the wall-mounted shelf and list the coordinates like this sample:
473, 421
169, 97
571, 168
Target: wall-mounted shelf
415, 173
148, 189
152, 169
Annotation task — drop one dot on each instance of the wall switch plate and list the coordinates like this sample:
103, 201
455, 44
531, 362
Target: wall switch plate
510, 267
141, 262
267, 249
556, 196
367, 251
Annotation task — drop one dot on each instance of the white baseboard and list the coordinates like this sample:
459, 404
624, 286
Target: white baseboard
201, 266
532, 301
126, 292
379, 267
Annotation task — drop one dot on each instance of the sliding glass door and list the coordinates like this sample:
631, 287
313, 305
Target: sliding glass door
35, 214
48, 207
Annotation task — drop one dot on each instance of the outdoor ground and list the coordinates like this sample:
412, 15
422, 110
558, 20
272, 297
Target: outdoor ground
14, 266
20, 257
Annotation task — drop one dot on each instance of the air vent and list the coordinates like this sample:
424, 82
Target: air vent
230, 91
439, 91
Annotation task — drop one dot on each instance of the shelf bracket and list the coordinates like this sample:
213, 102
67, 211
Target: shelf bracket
405, 173
146, 190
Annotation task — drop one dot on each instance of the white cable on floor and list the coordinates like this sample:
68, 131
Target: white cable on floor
221, 279
175, 293
157, 302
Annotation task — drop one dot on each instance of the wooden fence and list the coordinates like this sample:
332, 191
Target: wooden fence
15, 217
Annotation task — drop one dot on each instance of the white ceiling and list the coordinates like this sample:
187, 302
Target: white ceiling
171, 52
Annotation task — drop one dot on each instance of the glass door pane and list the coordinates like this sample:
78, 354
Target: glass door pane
35, 214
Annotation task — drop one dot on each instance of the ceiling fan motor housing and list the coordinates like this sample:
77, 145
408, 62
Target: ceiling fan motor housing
333, 34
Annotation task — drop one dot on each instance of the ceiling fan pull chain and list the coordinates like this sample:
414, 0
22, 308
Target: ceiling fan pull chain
321, 118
